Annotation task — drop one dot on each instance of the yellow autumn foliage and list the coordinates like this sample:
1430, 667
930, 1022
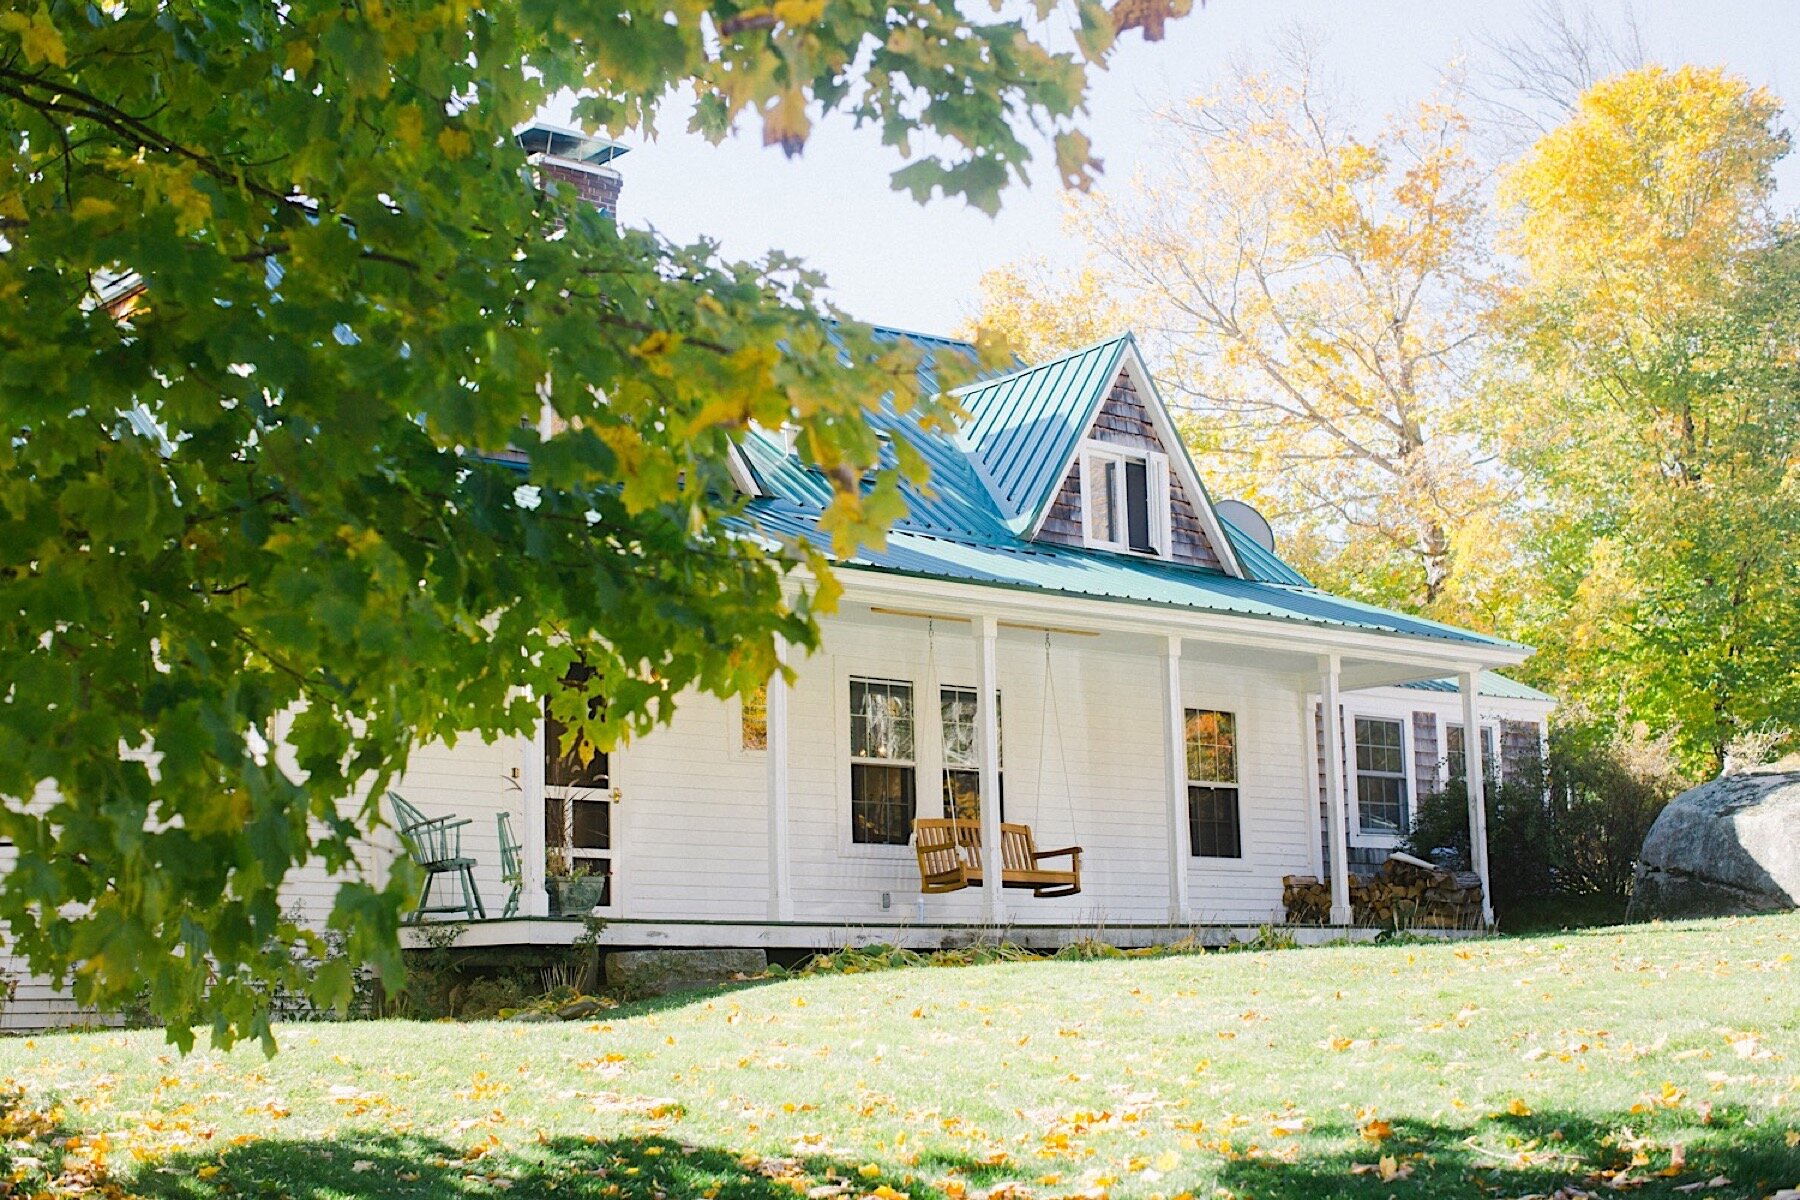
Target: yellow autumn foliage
1655, 183
1312, 293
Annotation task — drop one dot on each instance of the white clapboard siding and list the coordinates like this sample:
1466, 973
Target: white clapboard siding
1274, 823
690, 828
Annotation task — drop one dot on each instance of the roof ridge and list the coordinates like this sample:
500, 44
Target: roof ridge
996, 380
917, 335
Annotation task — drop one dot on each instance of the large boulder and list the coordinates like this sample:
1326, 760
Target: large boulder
1726, 847
658, 972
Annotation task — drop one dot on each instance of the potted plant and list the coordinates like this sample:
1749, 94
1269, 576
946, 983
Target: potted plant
572, 894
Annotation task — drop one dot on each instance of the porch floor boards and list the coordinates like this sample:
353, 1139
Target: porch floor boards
638, 933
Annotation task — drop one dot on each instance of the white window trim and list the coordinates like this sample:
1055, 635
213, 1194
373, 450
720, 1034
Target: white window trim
1443, 763
938, 687
1157, 486
1357, 835
1210, 862
926, 760
1243, 707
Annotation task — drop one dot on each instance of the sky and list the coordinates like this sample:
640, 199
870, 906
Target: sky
894, 262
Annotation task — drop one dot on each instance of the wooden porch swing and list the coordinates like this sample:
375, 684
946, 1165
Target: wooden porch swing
949, 848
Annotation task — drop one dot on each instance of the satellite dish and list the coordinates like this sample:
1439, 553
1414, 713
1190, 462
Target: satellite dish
1250, 523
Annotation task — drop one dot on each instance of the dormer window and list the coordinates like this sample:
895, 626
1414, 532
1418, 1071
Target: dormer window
1125, 496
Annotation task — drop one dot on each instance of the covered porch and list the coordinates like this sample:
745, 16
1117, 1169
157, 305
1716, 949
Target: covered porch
776, 871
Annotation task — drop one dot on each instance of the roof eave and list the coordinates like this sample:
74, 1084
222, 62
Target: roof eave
1434, 655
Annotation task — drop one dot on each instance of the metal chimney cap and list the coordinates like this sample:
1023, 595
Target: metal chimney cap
572, 145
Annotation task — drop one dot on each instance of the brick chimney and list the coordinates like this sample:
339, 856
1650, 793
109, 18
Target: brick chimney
570, 156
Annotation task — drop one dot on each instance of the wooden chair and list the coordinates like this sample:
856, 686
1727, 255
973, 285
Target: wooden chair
512, 865
435, 844
949, 852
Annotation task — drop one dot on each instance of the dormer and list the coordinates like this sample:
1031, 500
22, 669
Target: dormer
1081, 451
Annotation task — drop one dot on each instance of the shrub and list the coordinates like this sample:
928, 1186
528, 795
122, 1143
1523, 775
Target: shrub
1571, 827
1608, 789
1525, 850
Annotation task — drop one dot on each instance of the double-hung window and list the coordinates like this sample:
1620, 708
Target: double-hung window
1380, 776
577, 800
1125, 499
882, 766
1456, 758
962, 764
1212, 769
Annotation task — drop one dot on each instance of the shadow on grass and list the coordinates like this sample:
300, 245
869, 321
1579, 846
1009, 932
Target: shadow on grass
567, 1168
1562, 914
1543, 1154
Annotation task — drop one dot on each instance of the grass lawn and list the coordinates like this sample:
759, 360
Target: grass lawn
1645, 1058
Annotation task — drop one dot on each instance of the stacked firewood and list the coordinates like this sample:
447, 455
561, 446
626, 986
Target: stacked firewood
1406, 892
1307, 900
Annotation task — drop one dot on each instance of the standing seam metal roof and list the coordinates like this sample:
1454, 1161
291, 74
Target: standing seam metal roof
1493, 685
1067, 570
1025, 426
1022, 427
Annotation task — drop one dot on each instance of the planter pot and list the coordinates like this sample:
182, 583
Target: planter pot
575, 897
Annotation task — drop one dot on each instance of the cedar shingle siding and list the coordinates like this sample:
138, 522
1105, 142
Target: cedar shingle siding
1520, 749
1426, 757
1124, 421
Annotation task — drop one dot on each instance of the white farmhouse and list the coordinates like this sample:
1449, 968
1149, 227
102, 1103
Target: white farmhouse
1065, 635
1157, 681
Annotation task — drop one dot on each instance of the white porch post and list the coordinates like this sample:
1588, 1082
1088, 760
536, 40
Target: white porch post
1475, 773
1335, 808
781, 879
987, 747
534, 901
1175, 761
1309, 778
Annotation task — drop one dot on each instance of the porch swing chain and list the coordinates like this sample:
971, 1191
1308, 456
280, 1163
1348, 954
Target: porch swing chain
1051, 721
1053, 717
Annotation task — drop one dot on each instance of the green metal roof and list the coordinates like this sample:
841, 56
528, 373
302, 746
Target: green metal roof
1024, 427
1259, 563
1005, 463
1493, 684
1041, 567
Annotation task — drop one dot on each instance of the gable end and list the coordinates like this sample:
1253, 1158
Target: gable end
1124, 420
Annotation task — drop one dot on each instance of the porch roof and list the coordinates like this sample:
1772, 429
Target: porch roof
1493, 685
1045, 567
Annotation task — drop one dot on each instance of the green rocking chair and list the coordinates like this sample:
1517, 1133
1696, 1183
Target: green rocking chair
435, 844
512, 866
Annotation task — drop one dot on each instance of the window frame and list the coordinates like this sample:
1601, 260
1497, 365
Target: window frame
1490, 753
945, 767
1354, 773
1157, 497
849, 843
1235, 785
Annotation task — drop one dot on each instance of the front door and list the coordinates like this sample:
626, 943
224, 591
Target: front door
578, 823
